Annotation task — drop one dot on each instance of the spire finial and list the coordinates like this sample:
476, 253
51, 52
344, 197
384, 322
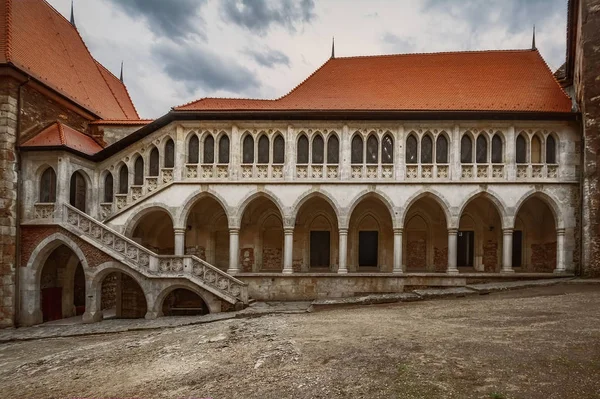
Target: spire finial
72, 15
121, 76
533, 40
333, 47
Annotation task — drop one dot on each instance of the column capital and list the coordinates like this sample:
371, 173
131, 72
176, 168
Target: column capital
288, 230
398, 230
508, 231
560, 232
234, 230
452, 231
179, 230
343, 231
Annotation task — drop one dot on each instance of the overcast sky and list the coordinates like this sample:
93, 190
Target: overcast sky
179, 50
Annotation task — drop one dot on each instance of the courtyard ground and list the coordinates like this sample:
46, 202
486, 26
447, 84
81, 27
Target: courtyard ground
534, 343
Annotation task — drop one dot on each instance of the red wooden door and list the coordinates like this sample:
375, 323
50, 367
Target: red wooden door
52, 303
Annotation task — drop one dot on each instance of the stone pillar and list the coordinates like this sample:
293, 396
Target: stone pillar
397, 251
288, 249
510, 154
343, 251
93, 309
179, 241
560, 251
234, 249
452, 251
507, 244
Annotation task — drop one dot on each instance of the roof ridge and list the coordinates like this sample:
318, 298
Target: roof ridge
435, 53
110, 88
552, 73
98, 63
306, 79
8, 22
61, 133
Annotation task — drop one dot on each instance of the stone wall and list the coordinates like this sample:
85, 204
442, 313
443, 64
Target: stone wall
111, 133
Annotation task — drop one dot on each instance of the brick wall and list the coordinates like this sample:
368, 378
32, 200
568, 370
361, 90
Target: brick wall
272, 259
490, 256
440, 259
543, 257
415, 254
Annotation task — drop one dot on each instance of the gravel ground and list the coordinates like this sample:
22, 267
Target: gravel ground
535, 343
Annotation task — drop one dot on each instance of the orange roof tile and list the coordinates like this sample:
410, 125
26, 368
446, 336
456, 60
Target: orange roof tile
513, 80
60, 135
38, 40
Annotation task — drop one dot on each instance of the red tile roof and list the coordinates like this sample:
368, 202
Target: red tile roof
513, 80
140, 122
60, 135
38, 40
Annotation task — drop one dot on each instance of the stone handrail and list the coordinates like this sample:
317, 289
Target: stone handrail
142, 259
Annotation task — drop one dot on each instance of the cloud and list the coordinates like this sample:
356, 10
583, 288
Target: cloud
259, 15
268, 57
174, 19
199, 67
399, 44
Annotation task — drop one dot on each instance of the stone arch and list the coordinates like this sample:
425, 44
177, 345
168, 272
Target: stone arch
183, 212
157, 234
381, 196
257, 194
434, 195
548, 200
499, 204
142, 210
303, 198
211, 302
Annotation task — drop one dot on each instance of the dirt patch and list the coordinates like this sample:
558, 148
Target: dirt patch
535, 343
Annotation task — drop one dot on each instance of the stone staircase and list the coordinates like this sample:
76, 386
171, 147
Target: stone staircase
150, 264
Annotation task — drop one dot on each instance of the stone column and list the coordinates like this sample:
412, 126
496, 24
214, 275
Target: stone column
397, 251
560, 251
288, 250
510, 154
343, 251
93, 311
179, 241
452, 251
234, 249
507, 244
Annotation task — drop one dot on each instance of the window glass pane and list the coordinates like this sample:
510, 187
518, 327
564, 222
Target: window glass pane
224, 149
333, 150
550, 150
108, 188
263, 149
154, 162
372, 149
426, 149
521, 150
357, 149
138, 177
302, 154
481, 150
248, 150
123, 180
209, 150
318, 149
278, 150
496, 149
387, 149
536, 150
466, 150
193, 149
77, 191
48, 186
170, 154
411, 149
441, 149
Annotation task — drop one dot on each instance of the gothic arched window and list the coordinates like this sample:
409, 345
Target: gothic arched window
108, 187
411, 149
193, 149
123, 180
496, 149
248, 149
224, 149
170, 154
333, 150
426, 149
387, 149
550, 150
263, 149
77, 191
278, 150
536, 150
481, 155
318, 149
302, 151
357, 150
208, 155
441, 149
466, 150
154, 162
138, 171
521, 154
372, 149
48, 186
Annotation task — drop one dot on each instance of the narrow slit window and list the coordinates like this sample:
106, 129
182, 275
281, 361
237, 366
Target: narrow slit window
138, 168
278, 150
357, 150
170, 154
193, 149
224, 149
481, 155
411, 149
550, 150
426, 149
466, 150
209, 150
318, 149
248, 150
387, 149
333, 150
108, 187
496, 149
154, 160
441, 149
48, 186
521, 154
263, 149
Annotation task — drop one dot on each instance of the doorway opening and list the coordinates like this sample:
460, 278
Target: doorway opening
368, 242
466, 244
320, 248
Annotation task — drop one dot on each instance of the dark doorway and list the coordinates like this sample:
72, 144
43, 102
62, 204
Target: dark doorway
319, 248
517, 252
368, 242
466, 244
52, 303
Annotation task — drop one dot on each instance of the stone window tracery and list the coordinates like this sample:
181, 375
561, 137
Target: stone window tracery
426, 149
108, 187
441, 149
302, 151
208, 155
466, 149
123, 180
263, 149
411, 149
550, 150
481, 149
521, 151
497, 149
357, 149
224, 149
170, 154
333, 150
154, 160
138, 171
372, 149
278, 150
387, 149
194, 149
318, 150
48, 186
248, 150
